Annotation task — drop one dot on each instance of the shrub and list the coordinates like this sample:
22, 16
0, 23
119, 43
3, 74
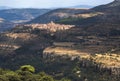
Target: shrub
27, 68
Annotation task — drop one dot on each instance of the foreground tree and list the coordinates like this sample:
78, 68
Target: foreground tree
27, 68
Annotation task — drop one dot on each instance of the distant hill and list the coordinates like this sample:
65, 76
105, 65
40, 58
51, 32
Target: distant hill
56, 15
81, 6
4, 7
101, 20
21, 15
108, 13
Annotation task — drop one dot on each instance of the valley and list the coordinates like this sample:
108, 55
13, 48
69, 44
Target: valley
78, 44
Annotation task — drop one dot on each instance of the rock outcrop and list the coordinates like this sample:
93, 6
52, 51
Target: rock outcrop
52, 27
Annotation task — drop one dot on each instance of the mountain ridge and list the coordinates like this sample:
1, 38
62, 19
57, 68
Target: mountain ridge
113, 4
56, 14
81, 6
20, 15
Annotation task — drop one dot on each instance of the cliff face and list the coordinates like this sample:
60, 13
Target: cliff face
52, 27
101, 62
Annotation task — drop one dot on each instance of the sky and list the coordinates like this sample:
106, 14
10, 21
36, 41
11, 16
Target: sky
50, 3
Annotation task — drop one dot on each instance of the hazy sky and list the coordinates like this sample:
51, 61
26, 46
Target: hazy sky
50, 3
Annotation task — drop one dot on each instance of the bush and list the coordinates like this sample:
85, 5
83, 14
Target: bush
65, 79
27, 68
3, 78
46, 78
